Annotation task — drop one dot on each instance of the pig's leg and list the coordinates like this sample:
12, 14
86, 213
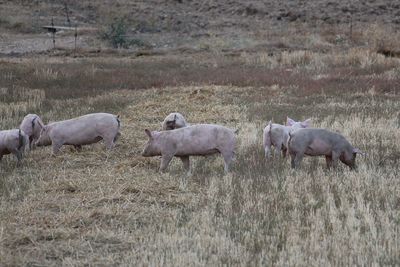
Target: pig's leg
278, 148
109, 142
284, 151
296, 159
17, 154
22, 150
267, 152
186, 163
78, 147
165, 160
186, 166
31, 142
228, 156
328, 160
335, 157
292, 164
352, 164
292, 156
116, 137
267, 147
56, 147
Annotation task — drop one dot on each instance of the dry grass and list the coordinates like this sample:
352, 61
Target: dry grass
240, 66
113, 208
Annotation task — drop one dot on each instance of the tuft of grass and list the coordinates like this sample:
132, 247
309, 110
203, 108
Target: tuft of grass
16, 24
116, 34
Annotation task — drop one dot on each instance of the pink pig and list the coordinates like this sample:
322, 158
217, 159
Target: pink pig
84, 130
277, 135
174, 120
31, 125
321, 142
13, 141
196, 140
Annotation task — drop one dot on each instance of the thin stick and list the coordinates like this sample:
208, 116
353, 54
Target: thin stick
66, 11
351, 26
53, 33
76, 36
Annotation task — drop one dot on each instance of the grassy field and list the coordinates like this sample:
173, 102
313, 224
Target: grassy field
113, 208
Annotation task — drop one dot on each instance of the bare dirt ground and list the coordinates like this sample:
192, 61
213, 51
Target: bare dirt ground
17, 44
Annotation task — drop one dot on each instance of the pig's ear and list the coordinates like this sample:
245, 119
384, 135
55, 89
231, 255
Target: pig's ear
358, 151
306, 123
148, 133
289, 121
40, 124
174, 122
43, 129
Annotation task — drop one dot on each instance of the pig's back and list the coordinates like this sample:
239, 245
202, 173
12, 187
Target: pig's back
201, 139
85, 129
89, 122
9, 139
310, 134
3, 139
26, 124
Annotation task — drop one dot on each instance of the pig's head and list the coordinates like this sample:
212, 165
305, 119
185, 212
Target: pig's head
37, 123
152, 148
171, 124
37, 126
298, 124
349, 157
44, 138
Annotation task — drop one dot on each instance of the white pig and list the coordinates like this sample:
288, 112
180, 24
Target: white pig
196, 140
277, 135
31, 125
13, 141
321, 142
174, 120
84, 130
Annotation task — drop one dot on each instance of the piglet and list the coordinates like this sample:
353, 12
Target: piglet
31, 125
174, 120
277, 135
13, 142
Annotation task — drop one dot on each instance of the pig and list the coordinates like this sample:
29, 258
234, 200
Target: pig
321, 142
13, 141
278, 135
84, 130
174, 120
31, 125
196, 140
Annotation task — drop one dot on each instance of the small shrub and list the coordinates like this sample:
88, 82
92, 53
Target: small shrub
138, 42
115, 34
15, 25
